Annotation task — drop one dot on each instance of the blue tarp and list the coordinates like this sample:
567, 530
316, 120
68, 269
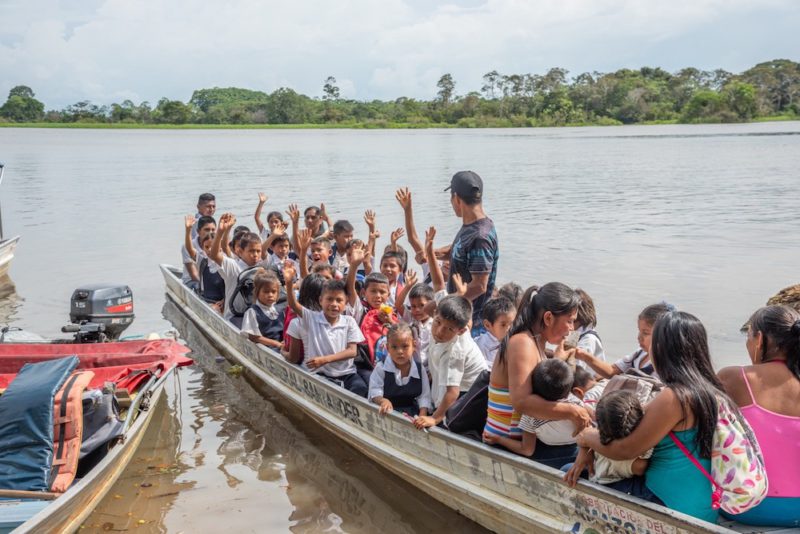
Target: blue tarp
26, 424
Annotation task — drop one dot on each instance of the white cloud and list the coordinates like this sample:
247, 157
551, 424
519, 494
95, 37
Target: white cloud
107, 50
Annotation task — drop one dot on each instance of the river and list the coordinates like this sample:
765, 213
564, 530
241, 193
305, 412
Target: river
702, 216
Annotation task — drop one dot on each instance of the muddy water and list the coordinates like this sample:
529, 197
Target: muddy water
222, 455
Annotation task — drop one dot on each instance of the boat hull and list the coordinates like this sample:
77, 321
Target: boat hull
7, 247
498, 490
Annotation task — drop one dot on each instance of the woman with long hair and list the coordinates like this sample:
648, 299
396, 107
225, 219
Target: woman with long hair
768, 394
686, 409
545, 315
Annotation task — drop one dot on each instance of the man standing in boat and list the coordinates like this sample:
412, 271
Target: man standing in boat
475, 250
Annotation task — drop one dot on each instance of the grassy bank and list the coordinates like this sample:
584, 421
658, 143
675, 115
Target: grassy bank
373, 125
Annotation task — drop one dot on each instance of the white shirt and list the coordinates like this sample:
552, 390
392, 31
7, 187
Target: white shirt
591, 397
250, 320
340, 262
489, 346
551, 432
187, 259
607, 470
590, 343
377, 377
320, 338
229, 270
458, 362
273, 260
422, 336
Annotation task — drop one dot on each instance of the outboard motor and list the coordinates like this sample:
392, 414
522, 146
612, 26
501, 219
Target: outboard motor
100, 312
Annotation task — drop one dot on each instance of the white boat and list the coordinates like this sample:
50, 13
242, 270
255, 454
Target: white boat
499, 490
7, 247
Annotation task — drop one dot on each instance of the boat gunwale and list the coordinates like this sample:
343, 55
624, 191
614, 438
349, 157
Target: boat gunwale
669, 518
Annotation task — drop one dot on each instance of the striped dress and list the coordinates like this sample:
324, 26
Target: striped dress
501, 419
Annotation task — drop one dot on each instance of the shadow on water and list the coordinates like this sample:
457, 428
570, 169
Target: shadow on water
224, 453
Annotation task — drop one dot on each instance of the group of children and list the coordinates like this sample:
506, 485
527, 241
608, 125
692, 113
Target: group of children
399, 339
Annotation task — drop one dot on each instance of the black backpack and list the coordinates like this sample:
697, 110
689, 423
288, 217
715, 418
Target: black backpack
467, 416
242, 297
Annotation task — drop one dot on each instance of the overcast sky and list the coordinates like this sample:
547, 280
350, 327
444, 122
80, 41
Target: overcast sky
110, 50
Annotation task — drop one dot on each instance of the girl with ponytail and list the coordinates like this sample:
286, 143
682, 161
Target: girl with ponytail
768, 394
545, 315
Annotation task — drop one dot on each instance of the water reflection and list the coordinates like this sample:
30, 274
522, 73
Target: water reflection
224, 450
10, 301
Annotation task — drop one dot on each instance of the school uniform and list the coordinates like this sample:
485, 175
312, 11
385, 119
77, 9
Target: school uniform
636, 360
264, 321
489, 346
408, 394
186, 278
589, 341
320, 338
458, 362
230, 271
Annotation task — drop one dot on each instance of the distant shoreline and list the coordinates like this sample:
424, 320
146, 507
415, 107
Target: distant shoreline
346, 126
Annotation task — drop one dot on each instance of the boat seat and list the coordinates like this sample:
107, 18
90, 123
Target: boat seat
26, 424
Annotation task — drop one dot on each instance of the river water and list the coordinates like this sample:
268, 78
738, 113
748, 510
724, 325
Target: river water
703, 216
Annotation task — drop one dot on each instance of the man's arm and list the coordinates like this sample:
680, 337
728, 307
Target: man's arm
403, 196
262, 199
477, 286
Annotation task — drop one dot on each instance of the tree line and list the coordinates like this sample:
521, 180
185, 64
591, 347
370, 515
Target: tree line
551, 99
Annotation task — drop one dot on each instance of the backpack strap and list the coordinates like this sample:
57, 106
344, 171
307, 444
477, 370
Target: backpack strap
716, 495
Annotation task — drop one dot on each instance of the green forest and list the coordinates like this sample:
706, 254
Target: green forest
769, 90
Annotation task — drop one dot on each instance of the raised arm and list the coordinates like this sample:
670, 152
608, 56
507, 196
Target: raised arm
356, 257
294, 215
324, 216
279, 230
304, 237
437, 278
262, 199
226, 222
189, 221
411, 281
397, 234
403, 196
288, 277
369, 218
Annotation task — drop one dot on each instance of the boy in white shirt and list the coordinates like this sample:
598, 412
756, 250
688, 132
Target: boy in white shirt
454, 360
329, 337
250, 248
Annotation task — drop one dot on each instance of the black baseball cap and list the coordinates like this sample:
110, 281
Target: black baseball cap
467, 185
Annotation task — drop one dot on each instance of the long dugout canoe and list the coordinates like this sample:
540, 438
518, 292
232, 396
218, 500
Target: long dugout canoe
499, 490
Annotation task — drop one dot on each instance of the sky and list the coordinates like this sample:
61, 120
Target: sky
110, 50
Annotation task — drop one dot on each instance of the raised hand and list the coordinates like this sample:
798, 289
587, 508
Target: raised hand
458, 283
357, 256
396, 235
323, 213
226, 222
289, 273
430, 234
403, 196
280, 228
369, 218
304, 238
189, 221
411, 278
294, 214
262, 198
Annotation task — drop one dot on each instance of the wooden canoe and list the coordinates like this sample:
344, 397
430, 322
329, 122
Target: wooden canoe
499, 490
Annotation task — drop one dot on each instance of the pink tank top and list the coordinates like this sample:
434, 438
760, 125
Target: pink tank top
778, 436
